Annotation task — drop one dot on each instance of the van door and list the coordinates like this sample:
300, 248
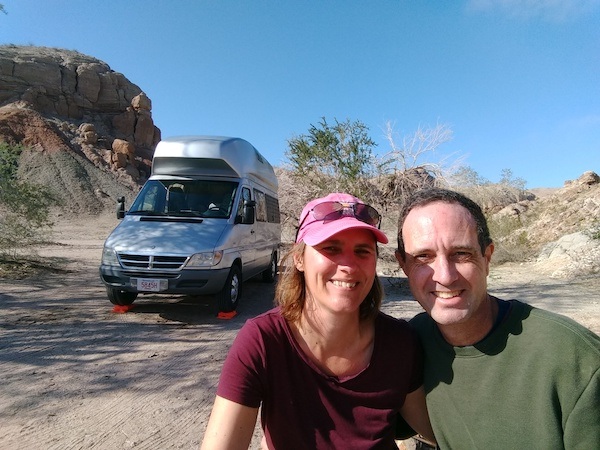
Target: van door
247, 237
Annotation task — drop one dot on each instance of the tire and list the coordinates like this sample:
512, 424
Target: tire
270, 273
228, 298
119, 297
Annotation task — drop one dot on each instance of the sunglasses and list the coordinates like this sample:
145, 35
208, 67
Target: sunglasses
337, 210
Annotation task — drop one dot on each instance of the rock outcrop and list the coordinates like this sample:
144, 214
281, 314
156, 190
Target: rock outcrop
561, 228
68, 108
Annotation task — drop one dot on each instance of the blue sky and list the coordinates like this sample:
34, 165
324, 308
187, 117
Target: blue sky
517, 81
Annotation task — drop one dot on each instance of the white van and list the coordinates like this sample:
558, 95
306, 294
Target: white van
206, 220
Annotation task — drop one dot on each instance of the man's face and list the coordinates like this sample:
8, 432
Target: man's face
445, 268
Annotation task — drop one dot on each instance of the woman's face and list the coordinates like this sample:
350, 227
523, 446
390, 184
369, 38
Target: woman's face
340, 271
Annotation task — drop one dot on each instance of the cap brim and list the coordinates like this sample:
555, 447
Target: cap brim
314, 235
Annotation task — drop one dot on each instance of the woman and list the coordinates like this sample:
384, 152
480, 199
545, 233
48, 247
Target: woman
327, 368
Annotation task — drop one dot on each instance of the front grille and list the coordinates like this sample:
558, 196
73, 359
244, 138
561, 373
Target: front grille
149, 274
151, 262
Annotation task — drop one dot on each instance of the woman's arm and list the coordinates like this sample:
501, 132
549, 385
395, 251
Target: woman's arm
230, 426
414, 411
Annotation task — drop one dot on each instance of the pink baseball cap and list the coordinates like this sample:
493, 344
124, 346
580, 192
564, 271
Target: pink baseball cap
335, 213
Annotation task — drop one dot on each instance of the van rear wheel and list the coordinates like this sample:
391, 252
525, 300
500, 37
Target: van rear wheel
270, 273
119, 297
228, 298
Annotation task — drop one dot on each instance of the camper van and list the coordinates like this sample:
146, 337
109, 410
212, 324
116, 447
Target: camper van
206, 220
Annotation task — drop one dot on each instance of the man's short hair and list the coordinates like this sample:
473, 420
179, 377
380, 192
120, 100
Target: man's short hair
426, 196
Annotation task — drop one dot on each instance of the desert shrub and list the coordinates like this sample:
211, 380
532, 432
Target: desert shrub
333, 158
594, 231
340, 157
24, 207
511, 237
408, 166
492, 197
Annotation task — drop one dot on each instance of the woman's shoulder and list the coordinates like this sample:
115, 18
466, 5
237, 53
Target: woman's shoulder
386, 318
394, 336
268, 323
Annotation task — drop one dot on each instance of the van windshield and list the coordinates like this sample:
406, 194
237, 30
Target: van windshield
184, 198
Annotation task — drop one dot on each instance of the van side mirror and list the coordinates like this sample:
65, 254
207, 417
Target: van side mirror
248, 212
120, 207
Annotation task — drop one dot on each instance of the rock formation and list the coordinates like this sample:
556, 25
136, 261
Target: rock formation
76, 118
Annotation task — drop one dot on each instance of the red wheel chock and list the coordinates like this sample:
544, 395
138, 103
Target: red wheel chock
120, 309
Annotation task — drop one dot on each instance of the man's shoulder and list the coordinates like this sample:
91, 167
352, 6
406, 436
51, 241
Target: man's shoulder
420, 318
560, 327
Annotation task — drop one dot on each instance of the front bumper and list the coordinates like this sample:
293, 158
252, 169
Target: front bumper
190, 282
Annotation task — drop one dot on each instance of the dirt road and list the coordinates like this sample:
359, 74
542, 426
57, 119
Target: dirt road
78, 376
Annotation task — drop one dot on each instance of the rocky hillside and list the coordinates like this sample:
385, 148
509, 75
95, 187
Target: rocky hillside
559, 229
88, 130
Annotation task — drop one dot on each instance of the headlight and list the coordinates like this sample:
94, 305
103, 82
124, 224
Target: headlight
205, 259
109, 257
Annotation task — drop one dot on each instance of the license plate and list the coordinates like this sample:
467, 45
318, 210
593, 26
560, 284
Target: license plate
151, 284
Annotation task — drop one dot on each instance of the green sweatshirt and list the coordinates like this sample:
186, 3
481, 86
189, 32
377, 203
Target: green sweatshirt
533, 383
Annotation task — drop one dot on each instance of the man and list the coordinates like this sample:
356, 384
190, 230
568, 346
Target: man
498, 374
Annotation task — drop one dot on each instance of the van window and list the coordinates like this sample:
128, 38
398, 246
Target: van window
261, 206
245, 196
199, 198
272, 209
267, 207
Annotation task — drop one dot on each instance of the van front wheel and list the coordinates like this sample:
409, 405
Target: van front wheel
120, 297
228, 298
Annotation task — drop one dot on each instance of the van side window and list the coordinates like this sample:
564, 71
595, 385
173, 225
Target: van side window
267, 207
272, 209
261, 206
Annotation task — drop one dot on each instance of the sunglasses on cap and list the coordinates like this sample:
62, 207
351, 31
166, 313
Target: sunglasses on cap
337, 210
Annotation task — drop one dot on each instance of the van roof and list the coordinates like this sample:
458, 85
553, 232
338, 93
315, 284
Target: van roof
212, 156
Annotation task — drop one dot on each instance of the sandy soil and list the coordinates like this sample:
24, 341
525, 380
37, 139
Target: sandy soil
76, 375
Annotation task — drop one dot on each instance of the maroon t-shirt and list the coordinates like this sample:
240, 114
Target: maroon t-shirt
304, 408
